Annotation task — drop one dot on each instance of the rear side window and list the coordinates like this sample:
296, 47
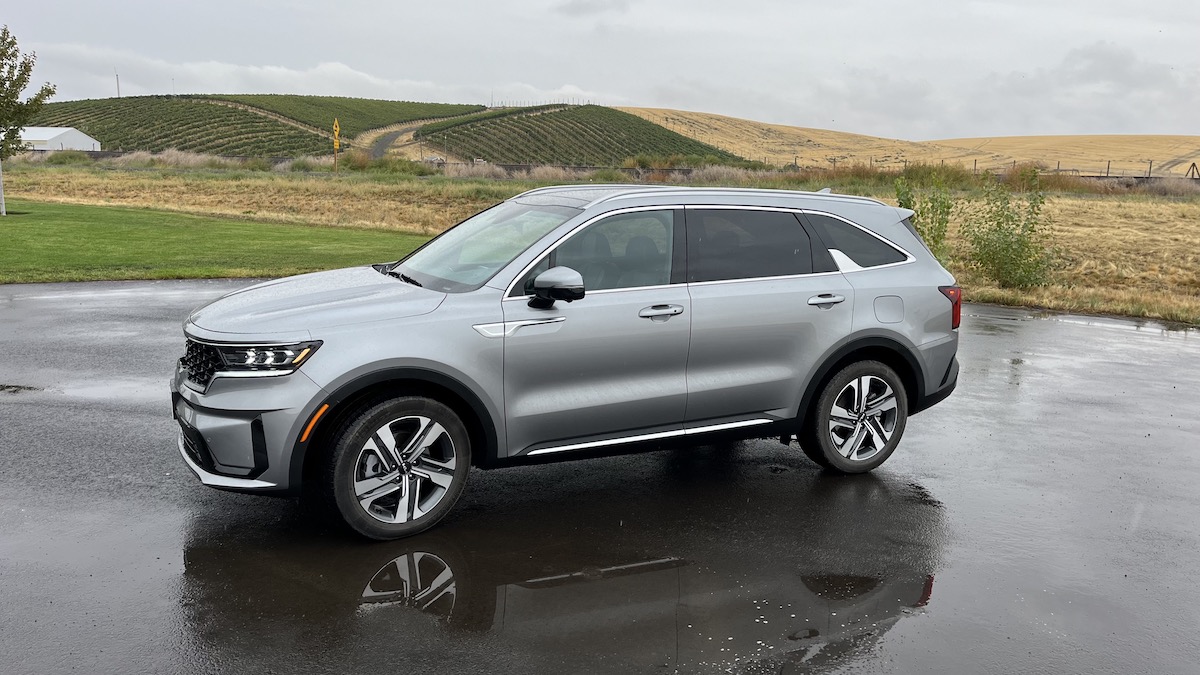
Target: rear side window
863, 249
745, 244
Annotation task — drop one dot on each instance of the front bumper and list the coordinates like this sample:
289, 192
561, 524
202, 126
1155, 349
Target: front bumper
239, 433
218, 481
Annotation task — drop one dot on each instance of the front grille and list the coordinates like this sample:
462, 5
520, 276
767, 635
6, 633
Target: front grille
200, 361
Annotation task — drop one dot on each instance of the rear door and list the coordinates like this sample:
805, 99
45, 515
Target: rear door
611, 365
764, 311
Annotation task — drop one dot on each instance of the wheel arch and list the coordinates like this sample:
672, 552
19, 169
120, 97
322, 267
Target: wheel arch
886, 350
390, 383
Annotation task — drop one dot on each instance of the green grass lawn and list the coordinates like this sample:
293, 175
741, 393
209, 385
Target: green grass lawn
62, 242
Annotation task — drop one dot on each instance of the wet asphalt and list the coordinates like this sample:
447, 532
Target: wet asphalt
1045, 518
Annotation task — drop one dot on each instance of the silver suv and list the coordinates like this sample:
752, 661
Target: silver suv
569, 322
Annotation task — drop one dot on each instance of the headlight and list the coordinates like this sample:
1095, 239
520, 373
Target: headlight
276, 359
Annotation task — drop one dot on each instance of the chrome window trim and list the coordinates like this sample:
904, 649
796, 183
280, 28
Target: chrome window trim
603, 291
558, 242
784, 277
651, 437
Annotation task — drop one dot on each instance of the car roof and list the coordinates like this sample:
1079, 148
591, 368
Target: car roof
584, 196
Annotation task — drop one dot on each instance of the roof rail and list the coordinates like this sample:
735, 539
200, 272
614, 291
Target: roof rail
583, 186
682, 191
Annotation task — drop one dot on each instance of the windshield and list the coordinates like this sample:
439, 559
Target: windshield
468, 254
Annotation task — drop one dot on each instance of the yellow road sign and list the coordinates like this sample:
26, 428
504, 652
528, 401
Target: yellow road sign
336, 128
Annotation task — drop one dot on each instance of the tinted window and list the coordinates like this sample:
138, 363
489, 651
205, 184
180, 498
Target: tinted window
864, 249
737, 244
622, 251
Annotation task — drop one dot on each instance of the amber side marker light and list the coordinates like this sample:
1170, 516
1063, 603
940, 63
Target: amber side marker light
313, 422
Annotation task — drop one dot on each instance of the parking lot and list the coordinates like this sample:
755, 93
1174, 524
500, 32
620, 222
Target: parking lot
1041, 519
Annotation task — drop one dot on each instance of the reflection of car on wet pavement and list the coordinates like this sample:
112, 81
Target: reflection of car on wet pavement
839, 561
573, 319
662, 611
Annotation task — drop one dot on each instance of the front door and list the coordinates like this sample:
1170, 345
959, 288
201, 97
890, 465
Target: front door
612, 365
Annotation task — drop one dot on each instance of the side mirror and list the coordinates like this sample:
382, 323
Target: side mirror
556, 283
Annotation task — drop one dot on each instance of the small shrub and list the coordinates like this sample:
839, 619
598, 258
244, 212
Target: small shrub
932, 209
1010, 242
608, 176
67, 157
474, 171
357, 160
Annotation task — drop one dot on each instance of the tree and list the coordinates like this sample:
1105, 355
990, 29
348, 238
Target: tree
16, 69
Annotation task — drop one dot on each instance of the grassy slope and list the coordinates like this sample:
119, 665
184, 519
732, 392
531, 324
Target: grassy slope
60, 242
779, 144
355, 115
156, 123
580, 135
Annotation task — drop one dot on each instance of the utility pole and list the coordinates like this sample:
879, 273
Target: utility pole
3, 211
118, 76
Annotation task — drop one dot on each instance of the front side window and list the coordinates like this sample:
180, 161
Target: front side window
745, 244
465, 256
861, 248
627, 250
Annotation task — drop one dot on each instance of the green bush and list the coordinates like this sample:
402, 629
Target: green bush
67, 157
608, 176
1009, 241
933, 209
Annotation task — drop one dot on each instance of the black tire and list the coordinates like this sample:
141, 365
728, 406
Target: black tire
830, 440
405, 492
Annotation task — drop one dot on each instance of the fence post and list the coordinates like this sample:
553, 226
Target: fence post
1108, 168
975, 169
1150, 169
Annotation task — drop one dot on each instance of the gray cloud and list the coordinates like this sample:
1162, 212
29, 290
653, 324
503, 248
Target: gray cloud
976, 67
591, 7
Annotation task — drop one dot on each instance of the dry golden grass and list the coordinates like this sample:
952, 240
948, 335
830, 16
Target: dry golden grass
1129, 255
410, 206
1130, 155
1135, 255
780, 144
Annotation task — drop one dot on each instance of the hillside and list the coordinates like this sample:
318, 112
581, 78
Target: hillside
355, 115
156, 123
251, 125
781, 144
578, 135
1129, 154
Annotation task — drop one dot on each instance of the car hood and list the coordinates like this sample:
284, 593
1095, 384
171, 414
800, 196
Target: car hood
309, 302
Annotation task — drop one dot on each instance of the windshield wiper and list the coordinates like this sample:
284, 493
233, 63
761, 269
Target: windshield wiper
404, 277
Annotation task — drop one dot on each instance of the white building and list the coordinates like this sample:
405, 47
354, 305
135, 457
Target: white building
58, 138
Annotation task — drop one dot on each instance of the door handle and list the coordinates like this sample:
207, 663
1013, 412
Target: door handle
826, 299
660, 312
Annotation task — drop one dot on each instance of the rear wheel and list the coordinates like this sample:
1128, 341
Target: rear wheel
858, 419
398, 467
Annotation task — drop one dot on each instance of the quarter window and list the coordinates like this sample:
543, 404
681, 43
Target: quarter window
863, 249
745, 244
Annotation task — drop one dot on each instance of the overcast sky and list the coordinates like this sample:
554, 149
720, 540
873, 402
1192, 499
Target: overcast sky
913, 70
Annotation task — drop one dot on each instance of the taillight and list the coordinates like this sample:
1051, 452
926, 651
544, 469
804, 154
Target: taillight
955, 295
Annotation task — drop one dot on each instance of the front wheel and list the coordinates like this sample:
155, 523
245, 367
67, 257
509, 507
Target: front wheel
858, 419
398, 467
